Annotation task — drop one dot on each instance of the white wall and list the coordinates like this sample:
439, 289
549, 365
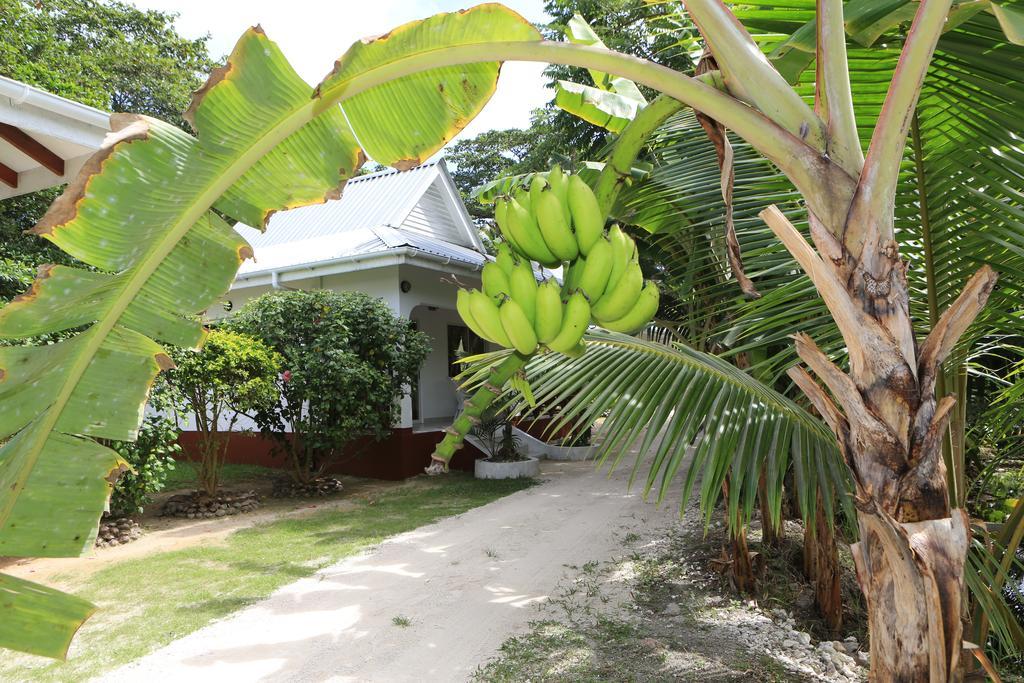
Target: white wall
427, 288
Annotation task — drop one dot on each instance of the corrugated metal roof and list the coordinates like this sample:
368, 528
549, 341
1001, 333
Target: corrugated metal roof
361, 242
378, 199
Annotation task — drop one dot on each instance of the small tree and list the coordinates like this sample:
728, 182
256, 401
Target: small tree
232, 375
348, 361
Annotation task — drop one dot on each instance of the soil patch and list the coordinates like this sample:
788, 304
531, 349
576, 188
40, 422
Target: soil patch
162, 534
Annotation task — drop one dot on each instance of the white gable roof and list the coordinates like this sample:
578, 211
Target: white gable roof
419, 209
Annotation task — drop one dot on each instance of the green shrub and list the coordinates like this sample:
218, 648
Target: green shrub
348, 360
151, 456
231, 375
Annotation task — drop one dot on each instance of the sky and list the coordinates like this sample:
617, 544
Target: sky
314, 33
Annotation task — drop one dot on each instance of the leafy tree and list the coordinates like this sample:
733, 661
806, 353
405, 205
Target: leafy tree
490, 155
347, 362
231, 375
109, 55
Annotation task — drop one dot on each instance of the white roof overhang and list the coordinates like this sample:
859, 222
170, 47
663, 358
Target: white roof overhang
44, 138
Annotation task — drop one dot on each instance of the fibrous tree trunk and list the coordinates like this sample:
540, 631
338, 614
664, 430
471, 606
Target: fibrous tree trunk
739, 559
821, 565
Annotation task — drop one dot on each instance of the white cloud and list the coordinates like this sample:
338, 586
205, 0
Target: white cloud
312, 34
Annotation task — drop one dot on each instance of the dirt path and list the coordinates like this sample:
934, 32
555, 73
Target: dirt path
429, 605
163, 534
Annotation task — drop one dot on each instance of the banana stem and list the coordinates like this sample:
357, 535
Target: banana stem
473, 409
619, 166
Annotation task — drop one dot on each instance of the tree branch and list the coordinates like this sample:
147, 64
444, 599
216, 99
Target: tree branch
833, 96
952, 324
749, 76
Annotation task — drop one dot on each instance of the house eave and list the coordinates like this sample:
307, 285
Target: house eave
351, 264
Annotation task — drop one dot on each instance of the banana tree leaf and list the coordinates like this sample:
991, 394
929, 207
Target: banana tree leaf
1011, 19
38, 619
579, 31
145, 215
687, 414
396, 124
604, 108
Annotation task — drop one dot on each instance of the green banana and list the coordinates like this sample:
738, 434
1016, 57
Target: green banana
587, 218
549, 311
577, 351
560, 186
517, 327
505, 259
556, 232
523, 288
485, 313
619, 299
571, 276
622, 249
527, 235
462, 306
537, 185
575, 319
501, 218
522, 195
642, 312
495, 282
596, 269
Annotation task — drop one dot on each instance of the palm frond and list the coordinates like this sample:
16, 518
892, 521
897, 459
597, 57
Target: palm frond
684, 417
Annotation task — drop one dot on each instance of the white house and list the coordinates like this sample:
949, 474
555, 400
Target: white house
404, 236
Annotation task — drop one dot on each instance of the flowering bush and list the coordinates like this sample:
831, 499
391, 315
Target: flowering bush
347, 361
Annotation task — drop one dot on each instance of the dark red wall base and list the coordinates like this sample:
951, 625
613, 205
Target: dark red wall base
401, 455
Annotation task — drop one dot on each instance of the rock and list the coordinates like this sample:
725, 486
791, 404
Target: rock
112, 532
790, 644
201, 506
672, 609
804, 638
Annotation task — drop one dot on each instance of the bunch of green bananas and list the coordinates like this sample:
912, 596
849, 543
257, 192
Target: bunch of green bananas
557, 222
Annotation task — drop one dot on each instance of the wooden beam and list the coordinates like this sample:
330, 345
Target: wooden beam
8, 176
31, 147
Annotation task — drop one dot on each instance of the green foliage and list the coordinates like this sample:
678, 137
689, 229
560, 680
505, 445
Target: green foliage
232, 374
108, 55
636, 27
495, 432
347, 361
151, 456
491, 155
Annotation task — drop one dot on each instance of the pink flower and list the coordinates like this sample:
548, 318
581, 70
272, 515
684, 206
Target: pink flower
286, 376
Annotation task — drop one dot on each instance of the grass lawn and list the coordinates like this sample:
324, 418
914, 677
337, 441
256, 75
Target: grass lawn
148, 602
183, 476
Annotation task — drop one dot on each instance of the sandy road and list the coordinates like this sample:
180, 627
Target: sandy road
465, 584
